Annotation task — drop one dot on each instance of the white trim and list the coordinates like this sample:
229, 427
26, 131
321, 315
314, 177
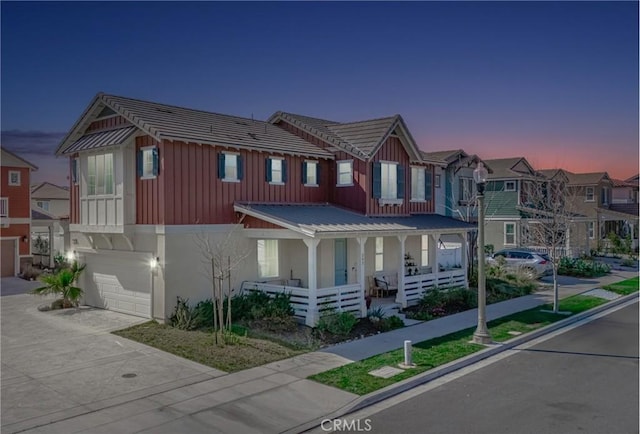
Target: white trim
515, 239
515, 186
18, 183
16, 220
586, 194
143, 149
338, 173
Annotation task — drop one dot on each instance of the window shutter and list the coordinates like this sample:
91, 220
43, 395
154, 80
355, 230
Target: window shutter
318, 173
221, 165
428, 178
377, 180
304, 172
240, 168
74, 170
156, 165
267, 169
284, 170
401, 181
140, 163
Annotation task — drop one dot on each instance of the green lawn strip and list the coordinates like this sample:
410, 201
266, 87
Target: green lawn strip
198, 346
427, 355
625, 287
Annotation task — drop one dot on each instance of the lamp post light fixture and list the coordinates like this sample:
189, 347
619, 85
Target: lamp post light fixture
481, 335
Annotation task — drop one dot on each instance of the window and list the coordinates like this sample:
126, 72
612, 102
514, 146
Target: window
276, 170
388, 182
592, 230
4, 207
99, 174
604, 195
310, 173
75, 170
44, 204
589, 194
345, 173
417, 183
509, 186
465, 193
510, 234
229, 167
14, 178
379, 263
268, 258
424, 251
148, 162
437, 181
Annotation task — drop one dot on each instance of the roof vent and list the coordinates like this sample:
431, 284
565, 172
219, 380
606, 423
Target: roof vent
253, 136
241, 123
164, 110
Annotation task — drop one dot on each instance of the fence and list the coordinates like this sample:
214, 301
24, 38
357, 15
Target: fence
416, 286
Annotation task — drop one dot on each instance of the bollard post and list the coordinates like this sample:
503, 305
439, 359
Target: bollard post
408, 363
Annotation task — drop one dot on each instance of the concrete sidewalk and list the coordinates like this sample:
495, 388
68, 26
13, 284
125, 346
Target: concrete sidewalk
272, 398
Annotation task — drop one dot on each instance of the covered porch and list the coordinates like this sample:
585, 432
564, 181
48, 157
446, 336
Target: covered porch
329, 257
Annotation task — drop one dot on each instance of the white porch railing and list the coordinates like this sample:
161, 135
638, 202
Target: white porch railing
560, 251
416, 286
345, 298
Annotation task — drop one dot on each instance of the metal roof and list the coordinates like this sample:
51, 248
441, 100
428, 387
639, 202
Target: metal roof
101, 139
326, 219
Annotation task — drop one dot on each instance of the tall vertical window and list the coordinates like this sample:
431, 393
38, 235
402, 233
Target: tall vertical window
589, 195
75, 170
276, 170
229, 167
389, 180
592, 230
417, 183
465, 192
4, 207
510, 234
424, 250
605, 195
268, 258
345, 172
100, 174
310, 172
148, 163
14, 178
437, 181
379, 262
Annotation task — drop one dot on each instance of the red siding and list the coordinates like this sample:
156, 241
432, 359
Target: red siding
107, 124
19, 205
20, 231
255, 223
194, 194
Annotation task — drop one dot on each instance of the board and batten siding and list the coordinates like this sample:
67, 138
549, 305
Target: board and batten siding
149, 195
193, 194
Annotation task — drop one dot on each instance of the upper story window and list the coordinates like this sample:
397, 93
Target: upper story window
100, 174
276, 170
437, 181
310, 173
421, 184
345, 173
44, 204
229, 167
14, 178
605, 195
509, 186
465, 190
75, 171
4, 207
509, 234
148, 162
388, 182
589, 195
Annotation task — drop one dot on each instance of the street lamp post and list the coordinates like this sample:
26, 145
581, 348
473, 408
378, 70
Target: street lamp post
481, 335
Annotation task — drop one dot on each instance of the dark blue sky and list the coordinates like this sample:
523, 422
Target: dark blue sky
556, 82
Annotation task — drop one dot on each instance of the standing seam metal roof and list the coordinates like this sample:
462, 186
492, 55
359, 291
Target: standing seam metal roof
101, 139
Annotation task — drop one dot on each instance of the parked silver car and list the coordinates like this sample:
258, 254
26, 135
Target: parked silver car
532, 263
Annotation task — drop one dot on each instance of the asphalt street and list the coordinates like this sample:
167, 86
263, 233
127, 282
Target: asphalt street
582, 381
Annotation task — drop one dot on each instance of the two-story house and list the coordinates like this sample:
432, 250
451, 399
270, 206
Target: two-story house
49, 221
15, 213
307, 206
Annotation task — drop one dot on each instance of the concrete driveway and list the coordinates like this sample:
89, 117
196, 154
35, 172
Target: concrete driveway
61, 364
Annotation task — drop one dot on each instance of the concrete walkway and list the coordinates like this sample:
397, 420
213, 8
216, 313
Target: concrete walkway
65, 373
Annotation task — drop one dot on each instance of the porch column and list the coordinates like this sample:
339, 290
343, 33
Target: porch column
433, 254
463, 257
50, 229
568, 242
362, 241
312, 256
401, 297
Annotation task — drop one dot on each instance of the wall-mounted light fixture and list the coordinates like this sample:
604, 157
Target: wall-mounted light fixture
71, 255
25, 239
153, 263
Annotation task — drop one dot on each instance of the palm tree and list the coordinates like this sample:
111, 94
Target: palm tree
62, 283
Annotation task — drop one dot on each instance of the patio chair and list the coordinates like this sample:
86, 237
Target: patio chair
374, 289
388, 283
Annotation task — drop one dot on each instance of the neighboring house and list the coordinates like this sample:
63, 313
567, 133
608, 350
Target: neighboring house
315, 206
624, 191
15, 213
505, 192
50, 221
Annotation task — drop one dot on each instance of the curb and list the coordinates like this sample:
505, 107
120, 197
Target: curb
425, 377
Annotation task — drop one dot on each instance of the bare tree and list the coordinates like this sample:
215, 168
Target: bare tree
548, 205
221, 256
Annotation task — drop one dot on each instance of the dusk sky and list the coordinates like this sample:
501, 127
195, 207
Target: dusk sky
555, 82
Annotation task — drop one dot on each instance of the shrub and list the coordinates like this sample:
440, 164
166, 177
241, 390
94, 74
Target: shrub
628, 262
390, 323
61, 284
376, 314
337, 323
441, 302
30, 273
582, 268
183, 316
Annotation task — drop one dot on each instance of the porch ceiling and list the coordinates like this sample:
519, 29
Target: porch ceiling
329, 221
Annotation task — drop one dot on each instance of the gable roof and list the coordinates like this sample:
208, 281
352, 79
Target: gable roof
9, 159
362, 139
633, 179
510, 168
554, 173
167, 122
47, 190
457, 157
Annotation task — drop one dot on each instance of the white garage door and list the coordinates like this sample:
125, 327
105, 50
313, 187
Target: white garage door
119, 283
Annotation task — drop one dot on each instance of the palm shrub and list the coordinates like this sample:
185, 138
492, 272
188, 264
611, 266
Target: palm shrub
61, 283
